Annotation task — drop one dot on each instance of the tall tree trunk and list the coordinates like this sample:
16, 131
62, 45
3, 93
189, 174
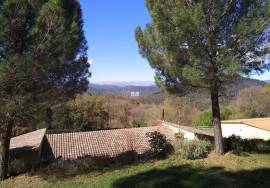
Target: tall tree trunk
5, 136
219, 148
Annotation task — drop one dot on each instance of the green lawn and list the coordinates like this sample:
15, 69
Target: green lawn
251, 170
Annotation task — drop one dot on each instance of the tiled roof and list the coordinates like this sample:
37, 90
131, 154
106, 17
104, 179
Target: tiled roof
105, 143
27, 141
261, 123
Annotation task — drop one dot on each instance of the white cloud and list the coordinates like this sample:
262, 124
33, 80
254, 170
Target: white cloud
90, 60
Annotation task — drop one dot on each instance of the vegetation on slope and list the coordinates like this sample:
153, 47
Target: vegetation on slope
95, 112
251, 170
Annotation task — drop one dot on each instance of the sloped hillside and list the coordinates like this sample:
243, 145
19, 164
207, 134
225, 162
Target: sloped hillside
229, 170
124, 91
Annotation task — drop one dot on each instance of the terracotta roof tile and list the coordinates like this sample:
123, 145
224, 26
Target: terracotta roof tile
105, 143
27, 141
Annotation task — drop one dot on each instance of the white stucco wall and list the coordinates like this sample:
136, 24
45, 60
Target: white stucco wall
188, 135
244, 131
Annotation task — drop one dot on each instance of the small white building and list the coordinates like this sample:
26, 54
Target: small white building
257, 128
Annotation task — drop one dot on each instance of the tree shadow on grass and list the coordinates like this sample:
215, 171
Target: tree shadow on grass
188, 176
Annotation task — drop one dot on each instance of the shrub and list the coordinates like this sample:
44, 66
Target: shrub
191, 149
205, 118
17, 166
159, 145
233, 143
225, 113
73, 167
238, 145
84, 113
86, 164
180, 136
178, 110
195, 149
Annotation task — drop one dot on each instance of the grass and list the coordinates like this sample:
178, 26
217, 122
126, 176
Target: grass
250, 170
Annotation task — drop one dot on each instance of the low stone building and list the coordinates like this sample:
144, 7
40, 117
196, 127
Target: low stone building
77, 145
27, 146
95, 144
100, 144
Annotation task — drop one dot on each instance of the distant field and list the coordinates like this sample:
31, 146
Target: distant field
251, 170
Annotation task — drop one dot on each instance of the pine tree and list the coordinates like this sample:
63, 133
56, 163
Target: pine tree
205, 44
43, 61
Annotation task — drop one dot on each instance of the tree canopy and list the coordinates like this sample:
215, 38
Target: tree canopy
43, 60
200, 42
205, 44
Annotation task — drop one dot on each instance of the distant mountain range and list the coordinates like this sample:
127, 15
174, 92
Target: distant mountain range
124, 84
267, 81
148, 88
126, 89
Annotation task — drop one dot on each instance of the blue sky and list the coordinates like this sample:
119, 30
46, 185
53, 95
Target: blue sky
109, 27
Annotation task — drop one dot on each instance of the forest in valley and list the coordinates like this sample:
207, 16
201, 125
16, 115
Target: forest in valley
99, 110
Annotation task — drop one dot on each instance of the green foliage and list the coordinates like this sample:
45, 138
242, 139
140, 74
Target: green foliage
90, 112
40, 65
140, 121
225, 113
191, 149
43, 61
205, 44
159, 145
22, 165
180, 136
180, 110
62, 119
94, 112
205, 118
17, 166
193, 43
249, 171
195, 149
238, 145
85, 113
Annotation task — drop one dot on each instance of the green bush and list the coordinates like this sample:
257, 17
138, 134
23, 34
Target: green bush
159, 145
84, 113
225, 114
16, 167
180, 136
191, 149
205, 118
235, 144
238, 145
196, 149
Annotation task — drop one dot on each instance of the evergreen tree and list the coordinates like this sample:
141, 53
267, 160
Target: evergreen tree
42, 61
205, 44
